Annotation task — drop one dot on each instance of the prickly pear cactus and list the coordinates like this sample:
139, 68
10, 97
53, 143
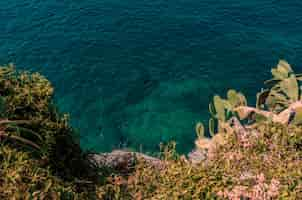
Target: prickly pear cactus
212, 127
283, 88
282, 71
298, 117
220, 108
236, 99
199, 130
223, 109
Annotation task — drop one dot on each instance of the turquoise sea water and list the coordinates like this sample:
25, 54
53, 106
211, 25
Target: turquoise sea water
137, 73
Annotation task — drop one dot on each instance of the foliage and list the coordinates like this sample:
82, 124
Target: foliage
32, 132
283, 88
22, 177
254, 154
270, 168
223, 109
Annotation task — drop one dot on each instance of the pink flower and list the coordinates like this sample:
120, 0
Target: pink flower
260, 178
260, 191
245, 176
273, 190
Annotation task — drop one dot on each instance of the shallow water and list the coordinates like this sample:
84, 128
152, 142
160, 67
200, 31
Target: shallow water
137, 73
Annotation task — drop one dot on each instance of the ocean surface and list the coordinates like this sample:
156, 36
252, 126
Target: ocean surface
133, 74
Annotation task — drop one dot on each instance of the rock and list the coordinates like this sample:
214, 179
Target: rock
124, 160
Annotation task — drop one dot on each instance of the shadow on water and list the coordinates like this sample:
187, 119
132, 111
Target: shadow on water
140, 89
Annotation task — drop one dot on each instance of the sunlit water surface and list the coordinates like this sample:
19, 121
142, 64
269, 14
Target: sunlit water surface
137, 73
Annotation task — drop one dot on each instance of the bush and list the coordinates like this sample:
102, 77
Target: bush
254, 153
34, 135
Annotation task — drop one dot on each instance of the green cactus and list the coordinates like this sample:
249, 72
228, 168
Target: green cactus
212, 109
290, 87
199, 130
212, 126
236, 99
284, 88
299, 77
261, 98
298, 117
282, 71
218, 110
222, 109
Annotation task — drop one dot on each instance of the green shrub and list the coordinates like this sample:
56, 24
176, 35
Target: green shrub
33, 132
255, 152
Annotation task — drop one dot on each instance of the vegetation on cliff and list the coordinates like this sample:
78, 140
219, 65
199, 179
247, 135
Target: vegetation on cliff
254, 153
39, 155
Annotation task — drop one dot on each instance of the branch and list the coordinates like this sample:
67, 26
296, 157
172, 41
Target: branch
20, 139
283, 117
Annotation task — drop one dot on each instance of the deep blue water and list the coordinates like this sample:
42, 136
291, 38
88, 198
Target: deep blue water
135, 73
